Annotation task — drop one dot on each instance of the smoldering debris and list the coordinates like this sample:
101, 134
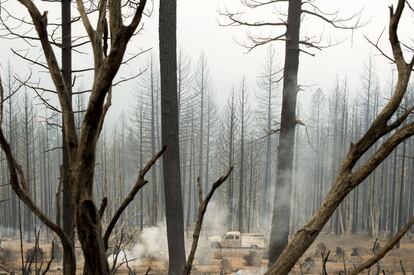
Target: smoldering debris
259, 271
253, 258
339, 252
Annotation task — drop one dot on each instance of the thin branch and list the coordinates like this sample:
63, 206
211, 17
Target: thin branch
138, 185
104, 204
388, 246
409, 5
202, 208
52, 255
336, 22
376, 46
324, 260
257, 3
235, 21
402, 268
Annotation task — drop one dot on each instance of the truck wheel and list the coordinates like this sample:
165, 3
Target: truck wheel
254, 246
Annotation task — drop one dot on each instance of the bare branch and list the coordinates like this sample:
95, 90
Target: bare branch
335, 21
137, 16
397, 123
104, 204
409, 5
52, 255
393, 36
376, 46
235, 21
18, 184
388, 246
40, 22
202, 208
260, 41
257, 3
138, 185
85, 20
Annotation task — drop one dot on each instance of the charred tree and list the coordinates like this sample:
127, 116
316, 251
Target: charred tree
170, 135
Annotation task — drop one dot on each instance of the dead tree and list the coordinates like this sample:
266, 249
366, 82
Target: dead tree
349, 176
202, 208
82, 146
243, 117
170, 135
294, 45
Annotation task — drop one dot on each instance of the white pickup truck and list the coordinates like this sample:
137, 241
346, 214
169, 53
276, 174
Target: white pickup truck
235, 239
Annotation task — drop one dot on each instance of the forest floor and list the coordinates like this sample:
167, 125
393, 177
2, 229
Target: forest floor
351, 249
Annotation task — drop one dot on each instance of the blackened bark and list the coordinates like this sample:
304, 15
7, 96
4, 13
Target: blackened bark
90, 236
170, 133
281, 208
67, 205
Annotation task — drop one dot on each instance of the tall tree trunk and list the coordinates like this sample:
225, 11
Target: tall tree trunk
400, 212
154, 207
230, 187
191, 177
281, 209
206, 176
241, 177
67, 190
170, 136
141, 152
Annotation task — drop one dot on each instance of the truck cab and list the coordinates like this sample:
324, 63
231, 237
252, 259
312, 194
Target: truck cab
231, 239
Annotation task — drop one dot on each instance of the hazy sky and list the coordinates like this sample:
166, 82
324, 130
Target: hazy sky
199, 30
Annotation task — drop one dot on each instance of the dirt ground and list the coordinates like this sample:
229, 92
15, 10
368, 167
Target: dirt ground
345, 251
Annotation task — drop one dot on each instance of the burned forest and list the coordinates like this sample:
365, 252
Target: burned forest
206, 137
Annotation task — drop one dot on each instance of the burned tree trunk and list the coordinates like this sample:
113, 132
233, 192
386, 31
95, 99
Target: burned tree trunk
170, 136
67, 205
349, 177
281, 208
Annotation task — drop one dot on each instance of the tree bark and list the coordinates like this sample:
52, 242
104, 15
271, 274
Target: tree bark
281, 208
170, 136
67, 202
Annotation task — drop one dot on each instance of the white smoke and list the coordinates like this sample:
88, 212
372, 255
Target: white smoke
152, 242
215, 220
151, 245
259, 271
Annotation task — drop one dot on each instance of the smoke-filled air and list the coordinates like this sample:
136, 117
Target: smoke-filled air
253, 137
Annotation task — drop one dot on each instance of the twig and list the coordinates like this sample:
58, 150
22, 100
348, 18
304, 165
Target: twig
52, 255
5, 269
343, 260
324, 260
118, 250
402, 268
